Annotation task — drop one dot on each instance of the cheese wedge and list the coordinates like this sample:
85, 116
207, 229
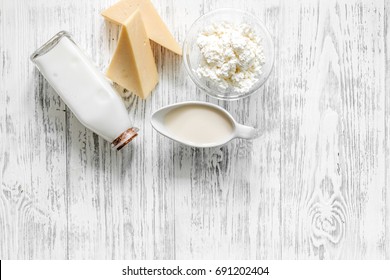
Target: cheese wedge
132, 65
155, 27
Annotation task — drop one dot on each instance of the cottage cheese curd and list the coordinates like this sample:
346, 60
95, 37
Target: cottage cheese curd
232, 56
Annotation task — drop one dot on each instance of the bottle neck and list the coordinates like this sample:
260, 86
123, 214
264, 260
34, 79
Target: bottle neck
125, 138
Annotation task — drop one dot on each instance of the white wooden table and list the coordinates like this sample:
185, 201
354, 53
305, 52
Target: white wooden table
315, 185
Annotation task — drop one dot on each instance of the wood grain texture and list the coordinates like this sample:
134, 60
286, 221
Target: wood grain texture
387, 125
315, 185
333, 165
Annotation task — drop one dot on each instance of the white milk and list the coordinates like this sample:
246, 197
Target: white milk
200, 125
83, 88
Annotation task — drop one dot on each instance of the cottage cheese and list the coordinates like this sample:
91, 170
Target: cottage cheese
232, 56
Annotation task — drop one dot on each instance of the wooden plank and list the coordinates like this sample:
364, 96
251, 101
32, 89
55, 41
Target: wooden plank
32, 137
121, 203
332, 129
387, 124
227, 199
93, 169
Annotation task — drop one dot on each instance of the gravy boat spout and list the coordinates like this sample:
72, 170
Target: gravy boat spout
199, 124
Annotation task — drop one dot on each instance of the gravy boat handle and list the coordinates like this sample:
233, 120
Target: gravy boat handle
246, 132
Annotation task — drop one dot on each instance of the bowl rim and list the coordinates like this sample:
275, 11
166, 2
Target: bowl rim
196, 80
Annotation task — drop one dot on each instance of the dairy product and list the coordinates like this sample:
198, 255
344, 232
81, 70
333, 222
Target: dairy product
155, 27
84, 89
133, 66
198, 124
232, 56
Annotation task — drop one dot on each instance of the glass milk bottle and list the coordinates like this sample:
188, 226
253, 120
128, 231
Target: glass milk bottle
84, 89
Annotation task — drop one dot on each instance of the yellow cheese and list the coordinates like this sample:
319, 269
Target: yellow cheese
155, 27
133, 66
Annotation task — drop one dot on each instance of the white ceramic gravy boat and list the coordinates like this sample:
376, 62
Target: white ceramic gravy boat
238, 131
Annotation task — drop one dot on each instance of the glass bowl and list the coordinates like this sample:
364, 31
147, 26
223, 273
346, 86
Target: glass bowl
192, 56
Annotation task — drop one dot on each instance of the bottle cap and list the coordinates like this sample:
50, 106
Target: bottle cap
125, 138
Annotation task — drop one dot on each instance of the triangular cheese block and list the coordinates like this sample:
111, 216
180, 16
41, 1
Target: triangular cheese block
155, 27
132, 65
